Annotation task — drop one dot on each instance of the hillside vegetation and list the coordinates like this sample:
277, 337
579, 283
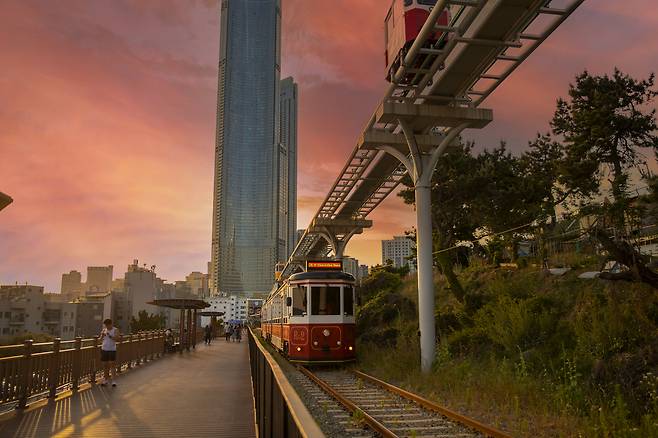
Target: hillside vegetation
531, 353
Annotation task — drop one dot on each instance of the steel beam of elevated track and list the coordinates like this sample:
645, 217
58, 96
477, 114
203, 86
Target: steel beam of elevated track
485, 42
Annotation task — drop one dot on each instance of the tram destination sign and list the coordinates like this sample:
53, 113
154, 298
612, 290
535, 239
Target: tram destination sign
324, 265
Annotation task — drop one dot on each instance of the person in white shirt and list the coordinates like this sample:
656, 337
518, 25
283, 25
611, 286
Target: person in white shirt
109, 337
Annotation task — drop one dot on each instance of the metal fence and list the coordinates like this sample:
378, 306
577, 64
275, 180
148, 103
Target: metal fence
35, 370
280, 413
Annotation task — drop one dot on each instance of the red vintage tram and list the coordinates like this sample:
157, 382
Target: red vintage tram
403, 23
310, 317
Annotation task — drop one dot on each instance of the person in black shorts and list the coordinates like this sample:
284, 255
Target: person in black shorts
109, 337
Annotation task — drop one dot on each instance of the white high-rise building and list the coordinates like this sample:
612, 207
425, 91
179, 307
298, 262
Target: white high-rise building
235, 308
399, 250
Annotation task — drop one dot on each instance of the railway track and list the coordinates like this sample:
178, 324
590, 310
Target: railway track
365, 406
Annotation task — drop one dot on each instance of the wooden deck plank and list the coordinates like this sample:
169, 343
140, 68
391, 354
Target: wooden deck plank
206, 393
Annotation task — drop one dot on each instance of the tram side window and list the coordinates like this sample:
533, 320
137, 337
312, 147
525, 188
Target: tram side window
348, 301
299, 301
325, 300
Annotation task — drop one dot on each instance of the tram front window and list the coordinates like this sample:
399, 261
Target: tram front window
325, 300
299, 301
348, 301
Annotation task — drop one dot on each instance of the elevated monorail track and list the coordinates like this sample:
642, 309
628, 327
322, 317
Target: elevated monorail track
367, 406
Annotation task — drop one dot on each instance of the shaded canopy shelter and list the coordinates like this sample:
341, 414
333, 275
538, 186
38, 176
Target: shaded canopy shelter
211, 313
187, 326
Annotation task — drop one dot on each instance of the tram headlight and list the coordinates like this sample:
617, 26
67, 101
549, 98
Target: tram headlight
350, 348
337, 342
315, 343
326, 332
299, 348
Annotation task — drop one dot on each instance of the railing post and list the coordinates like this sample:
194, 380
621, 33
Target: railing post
26, 376
160, 346
94, 362
53, 373
194, 329
129, 350
77, 363
188, 333
151, 345
138, 347
147, 349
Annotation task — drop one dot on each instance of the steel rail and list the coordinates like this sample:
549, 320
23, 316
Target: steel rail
349, 405
429, 405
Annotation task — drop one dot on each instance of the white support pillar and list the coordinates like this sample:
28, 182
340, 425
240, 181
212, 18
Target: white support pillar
420, 167
425, 276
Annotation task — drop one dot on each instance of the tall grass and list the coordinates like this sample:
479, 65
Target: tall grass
535, 355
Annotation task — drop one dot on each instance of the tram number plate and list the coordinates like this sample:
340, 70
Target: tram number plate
299, 335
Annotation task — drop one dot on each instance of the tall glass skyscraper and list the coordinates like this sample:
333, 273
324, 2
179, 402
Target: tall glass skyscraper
246, 216
288, 104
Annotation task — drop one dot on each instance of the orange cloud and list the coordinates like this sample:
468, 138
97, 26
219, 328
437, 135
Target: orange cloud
107, 120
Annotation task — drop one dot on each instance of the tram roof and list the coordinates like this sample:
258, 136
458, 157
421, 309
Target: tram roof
322, 275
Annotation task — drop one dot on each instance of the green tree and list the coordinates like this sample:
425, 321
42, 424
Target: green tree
454, 186
606, 125
540, 167
146, 321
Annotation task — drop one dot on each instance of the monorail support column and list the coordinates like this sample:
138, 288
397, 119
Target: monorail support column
424, 245
420, 166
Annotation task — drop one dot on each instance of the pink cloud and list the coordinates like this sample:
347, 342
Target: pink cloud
107, 123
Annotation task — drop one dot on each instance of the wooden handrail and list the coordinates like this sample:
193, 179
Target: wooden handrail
34, 370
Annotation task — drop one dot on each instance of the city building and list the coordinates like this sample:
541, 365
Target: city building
233, 306
245, 216
141, 286
99, 279
21, 307
399, 250
363, 272
59, 319
91, 311
351, 266
26, 309
288, 104
121, 310
198, 284
72, 284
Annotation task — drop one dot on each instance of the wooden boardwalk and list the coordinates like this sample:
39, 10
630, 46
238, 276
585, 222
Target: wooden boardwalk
206, 393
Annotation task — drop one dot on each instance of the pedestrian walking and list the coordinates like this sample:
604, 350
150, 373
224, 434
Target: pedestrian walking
227, 333
208, 334
238, 336
109, 337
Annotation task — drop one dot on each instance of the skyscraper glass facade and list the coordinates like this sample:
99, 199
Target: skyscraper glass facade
288, 104
245, 244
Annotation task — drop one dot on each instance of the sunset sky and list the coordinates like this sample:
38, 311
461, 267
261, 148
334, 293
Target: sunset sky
107, 119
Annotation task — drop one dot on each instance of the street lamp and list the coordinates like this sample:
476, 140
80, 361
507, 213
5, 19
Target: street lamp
5, 200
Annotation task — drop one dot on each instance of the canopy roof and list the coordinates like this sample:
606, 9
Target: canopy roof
180, 303
211, 313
